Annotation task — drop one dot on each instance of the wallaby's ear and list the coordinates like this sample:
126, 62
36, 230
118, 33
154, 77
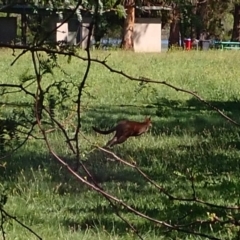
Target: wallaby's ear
148, 119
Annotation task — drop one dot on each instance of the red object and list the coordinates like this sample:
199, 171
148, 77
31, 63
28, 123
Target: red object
188, 43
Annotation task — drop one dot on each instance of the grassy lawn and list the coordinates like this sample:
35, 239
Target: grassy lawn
187, 138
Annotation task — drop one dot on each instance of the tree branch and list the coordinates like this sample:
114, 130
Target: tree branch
28, 134
20, 86
26, 49
19, 222
82, 84
161, 189
121, 202
138, 79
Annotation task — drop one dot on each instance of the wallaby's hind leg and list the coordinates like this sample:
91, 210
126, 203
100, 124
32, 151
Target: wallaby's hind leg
111, 142
116, 140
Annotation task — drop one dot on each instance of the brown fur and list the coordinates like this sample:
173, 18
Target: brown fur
125, 129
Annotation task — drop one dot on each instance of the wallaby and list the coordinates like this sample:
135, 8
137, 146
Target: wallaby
125, 129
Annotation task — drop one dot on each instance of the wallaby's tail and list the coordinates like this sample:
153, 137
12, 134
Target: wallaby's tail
104, 132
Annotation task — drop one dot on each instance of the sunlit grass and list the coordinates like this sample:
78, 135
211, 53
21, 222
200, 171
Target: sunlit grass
186, 138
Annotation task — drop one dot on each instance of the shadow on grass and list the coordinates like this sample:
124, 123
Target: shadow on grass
168, 116
213, 159
103, 219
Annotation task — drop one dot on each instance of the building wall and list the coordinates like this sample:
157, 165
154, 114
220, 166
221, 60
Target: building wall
84, 31
61, 32
8, 29
147, 35
73, 32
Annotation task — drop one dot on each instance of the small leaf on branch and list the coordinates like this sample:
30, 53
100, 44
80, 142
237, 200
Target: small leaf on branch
69, 59
120, 11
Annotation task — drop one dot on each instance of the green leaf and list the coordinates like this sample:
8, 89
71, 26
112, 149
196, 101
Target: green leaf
24, 77
79, 15
69, 59
120, 11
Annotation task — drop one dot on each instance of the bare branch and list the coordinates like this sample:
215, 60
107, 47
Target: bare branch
121, 202
28, 134
138, 79
81, 86
161, 189
20, 223
114, 201
26, 49
20, 86
39, 90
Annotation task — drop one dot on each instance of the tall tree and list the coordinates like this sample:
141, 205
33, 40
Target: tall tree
174, 25
236, 23
127, 38
193, 17
128, 27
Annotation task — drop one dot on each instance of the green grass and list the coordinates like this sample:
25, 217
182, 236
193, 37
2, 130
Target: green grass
186, 137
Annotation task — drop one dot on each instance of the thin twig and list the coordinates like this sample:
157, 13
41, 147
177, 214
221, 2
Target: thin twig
94, 186
39, 90
49, 33
121, 202
21, 144
82, 85
161, 189
138, 79
20, 223
20, 86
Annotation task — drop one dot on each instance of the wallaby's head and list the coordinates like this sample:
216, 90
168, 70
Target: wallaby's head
148, 121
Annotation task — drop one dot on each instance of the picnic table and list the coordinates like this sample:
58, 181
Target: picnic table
227, 45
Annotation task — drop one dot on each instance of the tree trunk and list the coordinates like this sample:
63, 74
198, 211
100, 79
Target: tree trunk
127, 39
236, 23
174, 28
202, 18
